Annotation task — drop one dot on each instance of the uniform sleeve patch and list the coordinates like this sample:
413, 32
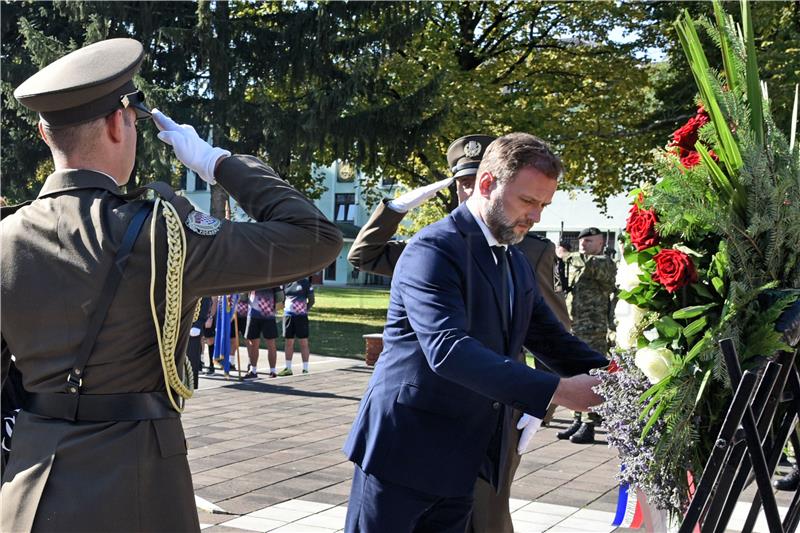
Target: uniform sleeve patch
203, 224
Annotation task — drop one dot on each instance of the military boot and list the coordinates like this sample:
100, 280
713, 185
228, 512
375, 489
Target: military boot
788, 482
584, 435
570, 431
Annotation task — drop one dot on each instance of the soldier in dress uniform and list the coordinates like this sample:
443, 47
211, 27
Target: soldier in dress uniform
374, 251
100, 445
590, 286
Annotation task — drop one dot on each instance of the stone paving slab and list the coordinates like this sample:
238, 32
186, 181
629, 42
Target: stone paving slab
258, 447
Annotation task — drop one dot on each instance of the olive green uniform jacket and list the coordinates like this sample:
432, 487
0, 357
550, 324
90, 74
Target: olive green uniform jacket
56, 253
374, 251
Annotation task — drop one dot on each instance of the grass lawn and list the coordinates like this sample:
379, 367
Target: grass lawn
340, 317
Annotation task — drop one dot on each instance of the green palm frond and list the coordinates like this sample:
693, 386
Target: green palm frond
793, 131
728, 150
728, 60
754, 95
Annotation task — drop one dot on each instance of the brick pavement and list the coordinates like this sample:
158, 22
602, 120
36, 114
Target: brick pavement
268, 442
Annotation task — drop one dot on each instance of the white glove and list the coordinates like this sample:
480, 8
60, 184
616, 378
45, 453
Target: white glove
408, 201
194, 332
529, 425
192, 151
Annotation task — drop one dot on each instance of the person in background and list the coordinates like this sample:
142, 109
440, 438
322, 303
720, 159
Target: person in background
261, 322
299, 300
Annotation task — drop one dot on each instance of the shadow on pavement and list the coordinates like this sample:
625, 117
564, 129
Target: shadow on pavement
287, 390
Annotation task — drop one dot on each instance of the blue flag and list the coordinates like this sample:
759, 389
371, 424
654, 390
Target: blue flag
226, 307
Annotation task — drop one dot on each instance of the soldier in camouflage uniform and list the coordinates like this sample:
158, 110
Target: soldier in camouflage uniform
590, 286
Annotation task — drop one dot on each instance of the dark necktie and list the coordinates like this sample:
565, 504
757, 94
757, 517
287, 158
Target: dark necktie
502, 268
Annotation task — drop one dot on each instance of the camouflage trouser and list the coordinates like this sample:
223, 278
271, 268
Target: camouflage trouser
597, 340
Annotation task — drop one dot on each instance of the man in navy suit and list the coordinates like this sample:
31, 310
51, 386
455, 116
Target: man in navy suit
463, 303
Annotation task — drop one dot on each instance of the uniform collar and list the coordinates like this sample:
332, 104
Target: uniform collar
73, 179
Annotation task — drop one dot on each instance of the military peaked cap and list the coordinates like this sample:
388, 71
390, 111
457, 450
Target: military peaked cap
465, 154
86, 84
588, 232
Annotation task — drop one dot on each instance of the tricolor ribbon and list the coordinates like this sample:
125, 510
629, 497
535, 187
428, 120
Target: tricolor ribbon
629, 509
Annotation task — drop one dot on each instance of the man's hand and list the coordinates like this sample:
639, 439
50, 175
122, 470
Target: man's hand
576, 392
529, 426
415, 198
192, 151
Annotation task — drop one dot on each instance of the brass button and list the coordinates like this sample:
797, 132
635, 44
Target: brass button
496, 406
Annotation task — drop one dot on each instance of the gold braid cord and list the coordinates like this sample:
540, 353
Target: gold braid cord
168, 339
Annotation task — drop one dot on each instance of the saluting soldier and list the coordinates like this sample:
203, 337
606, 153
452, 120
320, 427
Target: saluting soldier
97, 311
374, 251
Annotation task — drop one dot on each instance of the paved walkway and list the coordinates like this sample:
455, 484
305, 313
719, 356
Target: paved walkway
267, 455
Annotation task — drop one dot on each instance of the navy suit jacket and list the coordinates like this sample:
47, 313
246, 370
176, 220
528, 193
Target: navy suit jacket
433, 408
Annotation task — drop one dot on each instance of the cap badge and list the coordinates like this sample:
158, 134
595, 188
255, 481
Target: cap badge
202, 224
472, 149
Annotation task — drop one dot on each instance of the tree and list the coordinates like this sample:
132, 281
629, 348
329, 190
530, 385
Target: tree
294, 83
36, 34
544, 67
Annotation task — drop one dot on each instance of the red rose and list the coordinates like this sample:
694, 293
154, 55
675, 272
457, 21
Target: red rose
690, 159
641, 226
674, 269
686, 136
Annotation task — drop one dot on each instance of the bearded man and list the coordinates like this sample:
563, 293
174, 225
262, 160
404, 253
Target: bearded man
463, 303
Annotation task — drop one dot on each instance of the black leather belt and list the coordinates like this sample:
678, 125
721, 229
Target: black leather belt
101, 407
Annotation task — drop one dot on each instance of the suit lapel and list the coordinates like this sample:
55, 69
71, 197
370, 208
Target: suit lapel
482, 255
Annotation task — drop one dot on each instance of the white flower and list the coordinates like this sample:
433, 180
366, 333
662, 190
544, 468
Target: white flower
656, 364
651, 334
628, 275
628, 317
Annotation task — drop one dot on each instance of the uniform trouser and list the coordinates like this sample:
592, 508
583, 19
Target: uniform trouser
490, 510
193, 352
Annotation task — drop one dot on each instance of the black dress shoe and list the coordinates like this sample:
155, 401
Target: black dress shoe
210, 370
567, 433
585, 435
788, 482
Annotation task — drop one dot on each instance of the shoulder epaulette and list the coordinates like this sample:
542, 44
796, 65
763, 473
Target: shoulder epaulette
537, 237
197, 221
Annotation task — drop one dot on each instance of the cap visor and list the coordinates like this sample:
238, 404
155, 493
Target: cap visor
142, 112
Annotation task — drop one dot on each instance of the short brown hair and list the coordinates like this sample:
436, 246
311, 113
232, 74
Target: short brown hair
73, 138
509, 154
